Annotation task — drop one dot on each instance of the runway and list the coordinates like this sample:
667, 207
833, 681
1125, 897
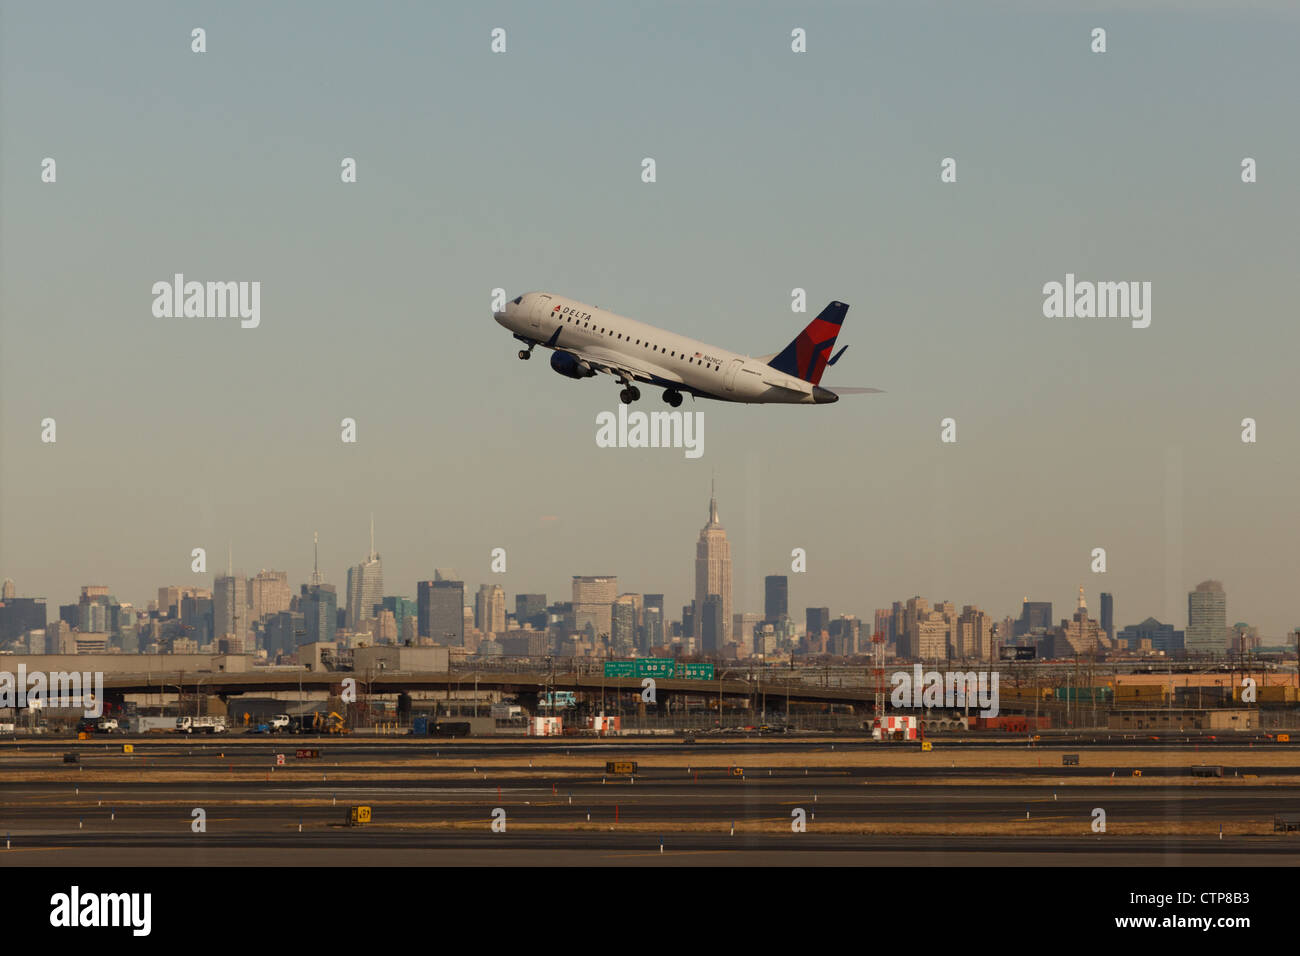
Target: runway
787, 803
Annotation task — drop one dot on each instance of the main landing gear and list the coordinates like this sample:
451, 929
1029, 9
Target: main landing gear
629, 395
673, 397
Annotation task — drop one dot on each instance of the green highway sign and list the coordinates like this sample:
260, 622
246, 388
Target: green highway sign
695, 671
655, 667
620, 668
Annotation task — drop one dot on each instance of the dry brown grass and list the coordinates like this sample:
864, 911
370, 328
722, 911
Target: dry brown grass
1073, 826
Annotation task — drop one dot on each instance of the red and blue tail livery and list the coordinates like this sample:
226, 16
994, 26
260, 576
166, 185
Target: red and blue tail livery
809, 354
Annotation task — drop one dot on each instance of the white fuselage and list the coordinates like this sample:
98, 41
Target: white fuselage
666, 358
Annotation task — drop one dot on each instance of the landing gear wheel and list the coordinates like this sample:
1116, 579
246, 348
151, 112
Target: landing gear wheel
525, 354
625, 396
672, 397
636, 392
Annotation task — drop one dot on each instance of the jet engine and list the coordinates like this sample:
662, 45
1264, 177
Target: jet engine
570, 366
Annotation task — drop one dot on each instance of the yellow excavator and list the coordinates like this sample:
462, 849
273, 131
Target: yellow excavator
317, 723
332, 723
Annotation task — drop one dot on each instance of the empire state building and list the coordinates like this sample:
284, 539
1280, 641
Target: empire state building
712, 577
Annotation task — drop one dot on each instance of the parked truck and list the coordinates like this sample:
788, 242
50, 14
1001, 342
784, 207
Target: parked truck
145, 725
200, 725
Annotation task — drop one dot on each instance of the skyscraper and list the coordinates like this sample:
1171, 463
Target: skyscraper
593, 600
623, 625
817, 619
530, 609
284, 629
776, 598
268, 593
490, 609
230, 610
1034, 615
1108, 614
711, 627
972, 638
365, 586
652, 627
652, 624
401, 608
1207, 619
20, 615
442, 611
319, 606
713, 570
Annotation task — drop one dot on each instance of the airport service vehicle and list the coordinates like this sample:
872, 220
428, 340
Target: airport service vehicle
317, 723
200, 725
8, 730
586, 339
275, 724
106, 725
144, 725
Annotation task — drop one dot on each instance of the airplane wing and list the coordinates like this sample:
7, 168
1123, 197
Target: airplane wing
622, 369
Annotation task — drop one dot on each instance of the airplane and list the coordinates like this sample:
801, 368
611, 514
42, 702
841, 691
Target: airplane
586, 339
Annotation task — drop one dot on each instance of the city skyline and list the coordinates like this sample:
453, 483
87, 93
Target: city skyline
226, 587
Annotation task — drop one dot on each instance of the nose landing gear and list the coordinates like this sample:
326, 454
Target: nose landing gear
526, 354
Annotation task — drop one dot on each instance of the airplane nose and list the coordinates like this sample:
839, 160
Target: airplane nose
823, 396
500, 316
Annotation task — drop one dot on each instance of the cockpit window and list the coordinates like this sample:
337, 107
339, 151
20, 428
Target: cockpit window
518, 300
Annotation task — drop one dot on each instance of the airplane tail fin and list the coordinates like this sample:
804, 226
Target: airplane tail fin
809, 354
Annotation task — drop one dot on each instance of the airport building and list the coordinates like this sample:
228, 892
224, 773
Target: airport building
1186, 719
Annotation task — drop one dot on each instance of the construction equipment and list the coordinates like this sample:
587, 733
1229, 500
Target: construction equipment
318, 723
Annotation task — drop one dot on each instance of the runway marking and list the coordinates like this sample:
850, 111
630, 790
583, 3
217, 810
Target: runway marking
615, 856
32, 849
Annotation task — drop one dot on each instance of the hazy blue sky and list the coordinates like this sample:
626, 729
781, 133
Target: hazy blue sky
775, 170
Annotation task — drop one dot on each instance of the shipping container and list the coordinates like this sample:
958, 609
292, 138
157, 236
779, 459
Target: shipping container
1087, 695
